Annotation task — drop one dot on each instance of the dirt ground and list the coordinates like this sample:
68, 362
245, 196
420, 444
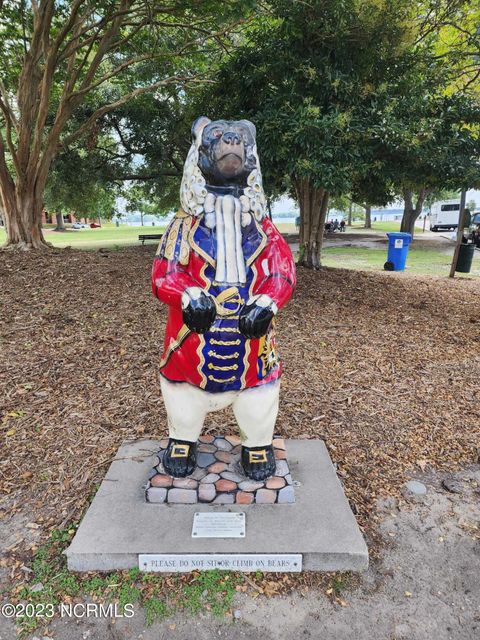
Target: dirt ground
384, 367
425, 585
375, 240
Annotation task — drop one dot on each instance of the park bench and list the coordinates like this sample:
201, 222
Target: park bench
150, 236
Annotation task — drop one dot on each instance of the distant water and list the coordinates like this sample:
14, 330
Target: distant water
134, 220
278, 220
380, 215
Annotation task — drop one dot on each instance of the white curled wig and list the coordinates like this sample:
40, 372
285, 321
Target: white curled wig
193, 190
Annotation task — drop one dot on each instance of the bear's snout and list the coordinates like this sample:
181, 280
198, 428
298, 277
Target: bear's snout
230, 154
231, 137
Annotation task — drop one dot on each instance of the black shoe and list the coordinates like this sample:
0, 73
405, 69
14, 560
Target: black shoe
180, 458
258, 462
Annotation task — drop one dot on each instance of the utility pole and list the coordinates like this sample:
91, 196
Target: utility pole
461, 224
461, 217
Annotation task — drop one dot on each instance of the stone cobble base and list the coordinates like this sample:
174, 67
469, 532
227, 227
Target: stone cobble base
219, 477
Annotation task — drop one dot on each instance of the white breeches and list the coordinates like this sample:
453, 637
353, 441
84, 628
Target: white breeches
255, 410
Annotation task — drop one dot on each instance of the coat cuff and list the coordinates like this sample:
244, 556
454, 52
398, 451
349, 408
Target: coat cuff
262, 300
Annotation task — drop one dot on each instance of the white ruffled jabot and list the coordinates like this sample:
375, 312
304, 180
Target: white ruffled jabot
227, 215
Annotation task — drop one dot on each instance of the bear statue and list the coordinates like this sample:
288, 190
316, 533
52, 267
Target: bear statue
224, 271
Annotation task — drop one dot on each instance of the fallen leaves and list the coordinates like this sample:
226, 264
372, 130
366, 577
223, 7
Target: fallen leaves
422, 464
383, 367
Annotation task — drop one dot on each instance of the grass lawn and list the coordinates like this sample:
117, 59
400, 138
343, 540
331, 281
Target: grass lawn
107, 236
110, 236
419, 261
378, 226
286, 227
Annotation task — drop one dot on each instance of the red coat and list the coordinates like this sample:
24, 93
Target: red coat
221, 359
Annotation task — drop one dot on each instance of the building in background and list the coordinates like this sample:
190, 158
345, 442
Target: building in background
68, 218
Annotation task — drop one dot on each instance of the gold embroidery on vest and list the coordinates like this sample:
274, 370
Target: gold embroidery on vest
222, 357
230, 367
213, 379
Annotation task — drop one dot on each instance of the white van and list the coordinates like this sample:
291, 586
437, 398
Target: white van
444, 215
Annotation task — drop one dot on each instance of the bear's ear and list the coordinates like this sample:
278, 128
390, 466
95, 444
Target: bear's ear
198, 126
250, 126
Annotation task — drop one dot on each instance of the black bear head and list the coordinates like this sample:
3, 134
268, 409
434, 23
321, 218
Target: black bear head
226, 150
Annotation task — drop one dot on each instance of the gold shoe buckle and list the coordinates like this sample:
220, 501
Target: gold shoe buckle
180, 451
257, 456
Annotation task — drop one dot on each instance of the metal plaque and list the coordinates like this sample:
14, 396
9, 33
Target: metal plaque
182, 563
218, 525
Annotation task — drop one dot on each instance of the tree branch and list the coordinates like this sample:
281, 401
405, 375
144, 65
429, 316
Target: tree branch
6, 180
67, 102
125, 144
31, 79
125, 98
115, 72
151, 56
472, 80
105, 42
8, 131
97, 26
68, 26
115, 154
6, 105
150, 176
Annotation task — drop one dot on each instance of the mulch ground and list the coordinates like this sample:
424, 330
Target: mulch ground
384, 367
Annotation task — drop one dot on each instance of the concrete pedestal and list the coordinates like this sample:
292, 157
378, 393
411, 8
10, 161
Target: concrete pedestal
120, 524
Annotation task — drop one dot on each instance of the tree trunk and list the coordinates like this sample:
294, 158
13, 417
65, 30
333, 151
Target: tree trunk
411, 211
60, 222
461, 225
313, 211
269, 208
350, 212
23, 214
368, 216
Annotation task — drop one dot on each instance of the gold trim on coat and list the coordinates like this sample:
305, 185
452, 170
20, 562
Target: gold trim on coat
260, 247
195, 246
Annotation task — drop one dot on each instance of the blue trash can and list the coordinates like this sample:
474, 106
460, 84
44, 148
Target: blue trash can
398, 244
